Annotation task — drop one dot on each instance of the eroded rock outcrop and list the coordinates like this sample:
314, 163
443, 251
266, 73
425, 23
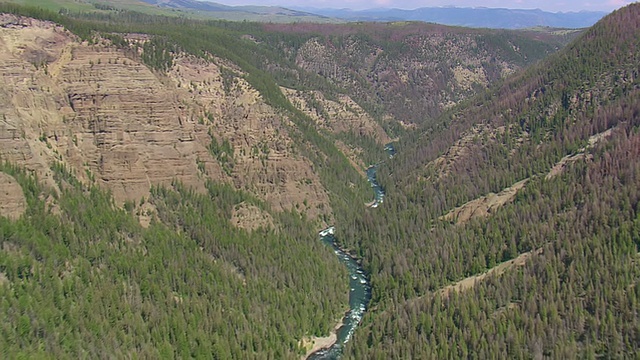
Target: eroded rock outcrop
113, 120
250, 217
12, 200
342, 115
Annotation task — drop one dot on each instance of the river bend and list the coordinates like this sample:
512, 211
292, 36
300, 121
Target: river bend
360, 287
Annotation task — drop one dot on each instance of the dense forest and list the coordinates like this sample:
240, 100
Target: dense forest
576, 296
80, 277
86, 279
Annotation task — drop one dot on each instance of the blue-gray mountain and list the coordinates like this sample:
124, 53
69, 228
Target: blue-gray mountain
469, 17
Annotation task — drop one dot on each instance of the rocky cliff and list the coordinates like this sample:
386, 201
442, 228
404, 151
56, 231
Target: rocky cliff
12, 200
100, 110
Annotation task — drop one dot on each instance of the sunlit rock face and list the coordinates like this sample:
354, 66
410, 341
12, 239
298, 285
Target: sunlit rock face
111, 119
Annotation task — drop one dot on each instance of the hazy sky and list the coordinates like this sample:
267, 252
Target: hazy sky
547, 5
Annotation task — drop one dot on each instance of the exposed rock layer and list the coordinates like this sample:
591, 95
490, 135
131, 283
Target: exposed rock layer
112, 120
12, 200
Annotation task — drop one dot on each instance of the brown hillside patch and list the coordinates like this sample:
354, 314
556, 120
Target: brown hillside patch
485, 205
559, 167
250, 217
338, 116
12, 201
471, 281
475, 137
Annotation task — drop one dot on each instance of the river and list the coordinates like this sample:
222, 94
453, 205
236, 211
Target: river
360, 287
359, 297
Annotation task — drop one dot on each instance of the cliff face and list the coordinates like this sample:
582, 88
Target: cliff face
12, 200
111, 119
29, 99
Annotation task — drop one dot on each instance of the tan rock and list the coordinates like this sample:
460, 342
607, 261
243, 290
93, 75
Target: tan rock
250, 217
112, 120
485, 205
12, 200
338, 116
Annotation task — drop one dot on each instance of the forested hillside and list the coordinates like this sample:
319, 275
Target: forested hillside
139, 233
409, 72
80, 277
566, 132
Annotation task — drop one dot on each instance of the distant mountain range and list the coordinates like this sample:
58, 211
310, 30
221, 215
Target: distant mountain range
249, 12
469, 17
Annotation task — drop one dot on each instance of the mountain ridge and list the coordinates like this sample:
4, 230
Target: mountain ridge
469, 17
195, 9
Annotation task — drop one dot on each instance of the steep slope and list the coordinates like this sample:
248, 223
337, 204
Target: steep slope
86, 279
175, 135
12, 201
99, 109
408, 71
576, 294
189, 115
125, 192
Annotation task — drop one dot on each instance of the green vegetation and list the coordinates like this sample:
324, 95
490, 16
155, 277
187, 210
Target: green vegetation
157, 53
90, 281
574, 299
377, 63
270, 61
222, 152
81, 278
